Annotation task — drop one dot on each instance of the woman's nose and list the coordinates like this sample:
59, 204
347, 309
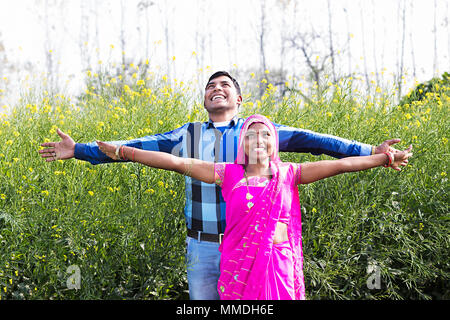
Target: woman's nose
259, 138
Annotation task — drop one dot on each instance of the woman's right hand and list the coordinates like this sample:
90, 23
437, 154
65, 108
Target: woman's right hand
108, 149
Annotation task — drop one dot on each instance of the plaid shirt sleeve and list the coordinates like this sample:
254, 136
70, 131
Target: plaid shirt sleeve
301, 140
169, 142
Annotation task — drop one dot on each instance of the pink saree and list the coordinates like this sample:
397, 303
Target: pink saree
252, 266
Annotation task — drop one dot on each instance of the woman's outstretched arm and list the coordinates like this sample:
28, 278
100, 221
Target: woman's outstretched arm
197, 169
313, 171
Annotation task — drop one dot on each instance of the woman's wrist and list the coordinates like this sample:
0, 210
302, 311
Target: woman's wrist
390, 159
126, 153
117, 153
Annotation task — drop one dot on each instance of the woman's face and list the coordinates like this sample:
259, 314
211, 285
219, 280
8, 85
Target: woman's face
259, 143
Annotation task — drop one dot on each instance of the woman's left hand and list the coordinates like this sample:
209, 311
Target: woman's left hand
401, 158
108, 149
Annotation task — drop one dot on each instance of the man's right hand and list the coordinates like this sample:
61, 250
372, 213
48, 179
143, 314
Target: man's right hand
65, 149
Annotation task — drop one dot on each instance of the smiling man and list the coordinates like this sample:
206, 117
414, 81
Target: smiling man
222, 94
214, 140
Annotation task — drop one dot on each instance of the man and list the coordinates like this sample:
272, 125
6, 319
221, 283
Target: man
214, 140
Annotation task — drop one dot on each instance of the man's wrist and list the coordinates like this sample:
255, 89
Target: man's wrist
365, 149
79, 151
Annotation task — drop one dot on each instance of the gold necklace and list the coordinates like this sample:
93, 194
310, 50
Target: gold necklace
248, 196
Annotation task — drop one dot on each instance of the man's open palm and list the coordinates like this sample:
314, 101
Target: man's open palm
62, 150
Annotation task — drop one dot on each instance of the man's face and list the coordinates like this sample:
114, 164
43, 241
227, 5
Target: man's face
221, 95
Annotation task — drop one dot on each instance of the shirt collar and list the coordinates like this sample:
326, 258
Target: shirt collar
233, 122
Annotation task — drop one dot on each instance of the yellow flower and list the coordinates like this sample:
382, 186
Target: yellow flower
91, 193
3, 196
45, 192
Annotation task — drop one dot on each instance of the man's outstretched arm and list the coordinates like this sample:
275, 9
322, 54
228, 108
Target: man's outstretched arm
66, 148
301, 140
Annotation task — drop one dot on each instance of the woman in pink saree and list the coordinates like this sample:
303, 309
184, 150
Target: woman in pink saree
261, 251
252, 265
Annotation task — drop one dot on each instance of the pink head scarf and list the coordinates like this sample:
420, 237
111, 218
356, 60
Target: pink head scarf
257, 118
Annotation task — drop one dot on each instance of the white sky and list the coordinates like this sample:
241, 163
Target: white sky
230, 28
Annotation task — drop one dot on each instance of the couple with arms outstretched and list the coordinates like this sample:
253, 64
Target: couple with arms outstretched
234, 178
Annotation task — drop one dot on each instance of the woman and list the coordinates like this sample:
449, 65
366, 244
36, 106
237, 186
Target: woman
261, 249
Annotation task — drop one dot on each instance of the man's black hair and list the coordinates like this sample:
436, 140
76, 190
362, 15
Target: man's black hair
224, 73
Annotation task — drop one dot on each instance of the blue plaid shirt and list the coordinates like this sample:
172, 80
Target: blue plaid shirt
205, 207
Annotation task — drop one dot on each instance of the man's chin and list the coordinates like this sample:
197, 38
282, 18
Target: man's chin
219, 108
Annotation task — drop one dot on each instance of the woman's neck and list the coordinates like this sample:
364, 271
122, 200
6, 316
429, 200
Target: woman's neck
258, 169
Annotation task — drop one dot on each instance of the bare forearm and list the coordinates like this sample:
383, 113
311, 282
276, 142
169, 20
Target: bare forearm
314, 171
153, 159
353, 164
198, 169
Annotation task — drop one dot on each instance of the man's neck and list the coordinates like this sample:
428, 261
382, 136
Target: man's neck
222, 117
